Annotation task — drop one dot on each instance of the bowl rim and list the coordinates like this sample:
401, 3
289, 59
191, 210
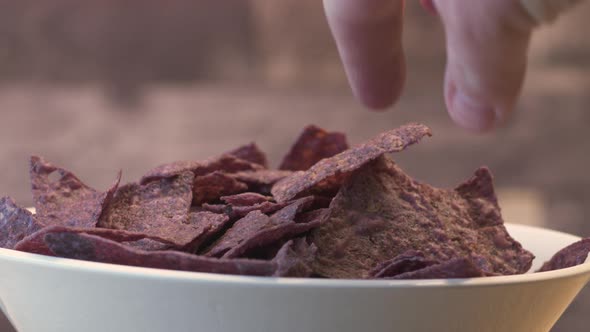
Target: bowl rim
187, 276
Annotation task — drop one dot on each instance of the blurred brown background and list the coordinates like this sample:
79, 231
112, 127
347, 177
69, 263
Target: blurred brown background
101, 85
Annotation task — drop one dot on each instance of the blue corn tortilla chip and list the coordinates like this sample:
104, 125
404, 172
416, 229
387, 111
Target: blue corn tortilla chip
289, 212
275, 238
269, 235
294, 259
242, 229
209, 226
236, 212
281, 226
261, 177
211, 187
217, 208
239, 205
451, 269
328, 174
35, 244
257, 229
261, 181
408, 261
381, 213
66, 201
252, 153
160, 209
148, 245
225, 163
174, 169
16, 223
246, 199
98, 249
572, 255
268, 251
313, 145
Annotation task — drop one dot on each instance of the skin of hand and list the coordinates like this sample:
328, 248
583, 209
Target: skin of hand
487, 44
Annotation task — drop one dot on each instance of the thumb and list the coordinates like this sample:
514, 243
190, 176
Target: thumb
487, 44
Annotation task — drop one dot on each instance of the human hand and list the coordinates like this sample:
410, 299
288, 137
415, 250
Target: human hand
487, 44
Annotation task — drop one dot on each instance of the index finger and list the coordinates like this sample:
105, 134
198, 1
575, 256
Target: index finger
368, 34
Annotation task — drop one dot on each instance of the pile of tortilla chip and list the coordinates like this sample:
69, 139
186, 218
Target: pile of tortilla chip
329, 211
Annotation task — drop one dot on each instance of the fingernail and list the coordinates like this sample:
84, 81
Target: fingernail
470, 113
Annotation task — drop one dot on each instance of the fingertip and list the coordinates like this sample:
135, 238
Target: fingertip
380, 92
469, 112
376, 104
368, 35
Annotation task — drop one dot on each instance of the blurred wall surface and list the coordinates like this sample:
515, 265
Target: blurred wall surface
99, 85
132, 42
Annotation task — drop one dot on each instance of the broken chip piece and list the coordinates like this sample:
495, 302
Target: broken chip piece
413, 265
252, 153
210, 187
207, 226
241, 230
258, 229
246, 199
408, 261
16, 223
236, 212
572, 255
281, 226
260, 181
226, 163
313, 145
451, 269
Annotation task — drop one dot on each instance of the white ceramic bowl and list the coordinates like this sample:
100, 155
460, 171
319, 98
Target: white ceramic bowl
46, 294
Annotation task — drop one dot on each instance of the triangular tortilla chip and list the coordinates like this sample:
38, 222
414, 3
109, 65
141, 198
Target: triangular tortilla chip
328, 174
381, 213
66, 201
